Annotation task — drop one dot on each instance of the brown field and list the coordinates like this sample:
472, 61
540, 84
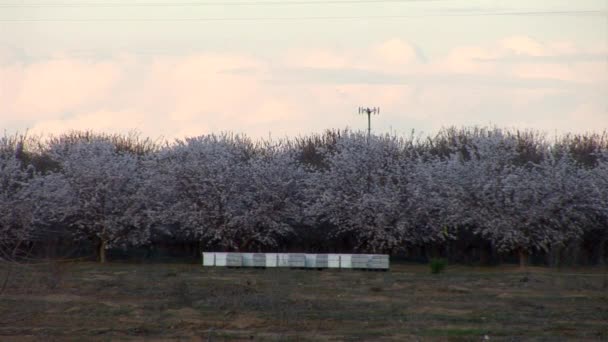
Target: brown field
166, 302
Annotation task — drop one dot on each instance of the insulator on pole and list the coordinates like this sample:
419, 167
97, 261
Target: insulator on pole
369, 112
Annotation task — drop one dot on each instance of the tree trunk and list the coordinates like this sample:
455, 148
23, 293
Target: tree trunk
435, 251
557, 257
523, 258
15, 253
198, 250
601, 251
102, 251
484, 255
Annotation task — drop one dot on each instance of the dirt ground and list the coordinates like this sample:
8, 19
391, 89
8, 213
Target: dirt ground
167, 302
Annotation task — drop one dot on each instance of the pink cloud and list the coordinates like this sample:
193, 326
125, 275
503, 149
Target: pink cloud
99, 121
524, 45
205, 92
395, 52
465, 59
319, 58
44, 89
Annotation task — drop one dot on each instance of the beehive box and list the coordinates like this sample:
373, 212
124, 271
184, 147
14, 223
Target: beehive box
333, 260
272, 259
321, 261
379, 261
247, 259
221, 259
233, 260
283, 260
311, 260
297, 260
345, 261
259, 260
360, 261
208, 259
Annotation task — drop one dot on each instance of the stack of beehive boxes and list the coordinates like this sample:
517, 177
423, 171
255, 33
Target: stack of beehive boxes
297, 260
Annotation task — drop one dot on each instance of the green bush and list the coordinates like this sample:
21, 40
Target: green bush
438, 265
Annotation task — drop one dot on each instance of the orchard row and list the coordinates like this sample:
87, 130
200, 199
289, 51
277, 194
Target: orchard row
516, 191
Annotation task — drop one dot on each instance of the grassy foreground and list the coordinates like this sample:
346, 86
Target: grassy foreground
160, 302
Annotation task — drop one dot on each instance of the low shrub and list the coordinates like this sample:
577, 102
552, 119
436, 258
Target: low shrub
437, 265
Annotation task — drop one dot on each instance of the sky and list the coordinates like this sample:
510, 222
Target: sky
282, 68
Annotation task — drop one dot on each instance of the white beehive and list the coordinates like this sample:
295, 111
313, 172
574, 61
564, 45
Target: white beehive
259, 260
272, 259
208, 259
345, 261
297, 260
221, 259
283, 260
311, 260
333, 260
379, 261
360, 261
247, 259
234, 260
321, 260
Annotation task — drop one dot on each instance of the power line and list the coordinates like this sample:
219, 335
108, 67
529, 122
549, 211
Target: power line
207, 3
306, 18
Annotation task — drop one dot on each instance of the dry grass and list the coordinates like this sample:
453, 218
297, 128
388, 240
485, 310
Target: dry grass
86, 301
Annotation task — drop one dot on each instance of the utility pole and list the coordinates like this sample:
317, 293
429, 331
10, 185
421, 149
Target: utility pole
369, 112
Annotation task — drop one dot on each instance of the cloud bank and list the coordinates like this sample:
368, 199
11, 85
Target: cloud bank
515, 82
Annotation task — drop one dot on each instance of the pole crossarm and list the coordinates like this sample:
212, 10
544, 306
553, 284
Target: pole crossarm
369, 111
